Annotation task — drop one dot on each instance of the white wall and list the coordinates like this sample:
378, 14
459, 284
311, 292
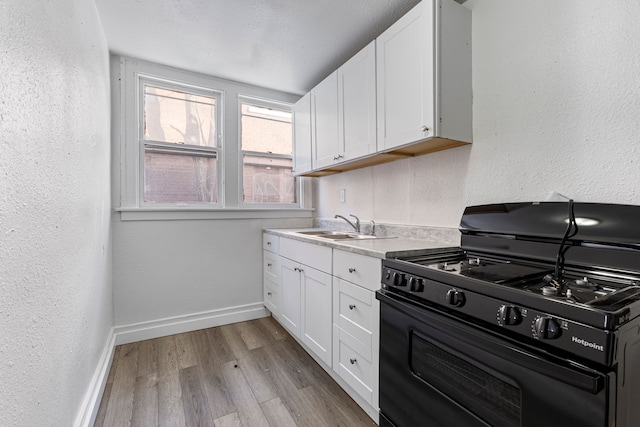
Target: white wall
165, 269
556, 107
168, 272
55, 249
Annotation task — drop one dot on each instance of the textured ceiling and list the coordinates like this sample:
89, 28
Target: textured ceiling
288, 45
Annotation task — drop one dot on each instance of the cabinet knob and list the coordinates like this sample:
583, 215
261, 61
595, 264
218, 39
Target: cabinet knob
268, 264
269, 293
425, 129
353, 361
298, 269
352, 306
268, 243
352, 270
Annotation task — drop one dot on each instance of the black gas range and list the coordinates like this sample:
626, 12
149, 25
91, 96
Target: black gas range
538, 295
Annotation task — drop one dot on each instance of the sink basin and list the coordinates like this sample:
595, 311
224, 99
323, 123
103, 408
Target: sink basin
340, 235
320, 233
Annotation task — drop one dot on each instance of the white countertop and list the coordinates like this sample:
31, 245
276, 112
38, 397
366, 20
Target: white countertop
378, 248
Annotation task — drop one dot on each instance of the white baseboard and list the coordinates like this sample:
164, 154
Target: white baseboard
191, 322
91, 402
148, 330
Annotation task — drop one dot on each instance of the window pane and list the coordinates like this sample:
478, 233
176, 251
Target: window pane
266, 130
174, 175
179, 117
268, 180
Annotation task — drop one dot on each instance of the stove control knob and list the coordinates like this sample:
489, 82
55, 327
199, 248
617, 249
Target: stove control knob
416, 284
509, 315
398, 279
546, 328
455, 297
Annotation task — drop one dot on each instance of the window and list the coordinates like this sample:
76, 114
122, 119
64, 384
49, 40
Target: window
266, 148
178, 142
192, 146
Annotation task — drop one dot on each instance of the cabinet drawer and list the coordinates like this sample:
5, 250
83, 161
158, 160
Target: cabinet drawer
316, 256
354, 363
272, 297
270, 267
355, 310
270, 242
359, 269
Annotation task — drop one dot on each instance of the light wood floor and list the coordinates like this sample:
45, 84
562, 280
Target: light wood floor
246, 374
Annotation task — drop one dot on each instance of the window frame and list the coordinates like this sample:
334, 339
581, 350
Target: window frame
127, 166
160, 83
297, 188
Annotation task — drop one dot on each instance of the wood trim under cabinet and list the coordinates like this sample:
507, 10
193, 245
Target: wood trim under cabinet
430, 145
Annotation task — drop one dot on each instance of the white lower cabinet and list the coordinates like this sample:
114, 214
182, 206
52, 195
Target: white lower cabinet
326, 298
272, 297
316, 309
290, 295
271, 274
305, 294
356, 347
356, 364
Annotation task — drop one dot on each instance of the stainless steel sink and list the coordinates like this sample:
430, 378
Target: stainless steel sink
340, 235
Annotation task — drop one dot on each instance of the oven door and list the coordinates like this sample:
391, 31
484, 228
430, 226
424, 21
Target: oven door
437, 370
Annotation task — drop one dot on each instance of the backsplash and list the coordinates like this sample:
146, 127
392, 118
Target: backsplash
431, 234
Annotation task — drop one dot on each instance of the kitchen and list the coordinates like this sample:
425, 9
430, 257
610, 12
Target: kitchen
555, 108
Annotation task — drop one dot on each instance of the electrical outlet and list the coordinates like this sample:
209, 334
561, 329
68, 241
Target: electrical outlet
343, 195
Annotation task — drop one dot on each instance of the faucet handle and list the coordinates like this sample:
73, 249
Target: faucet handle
357, 222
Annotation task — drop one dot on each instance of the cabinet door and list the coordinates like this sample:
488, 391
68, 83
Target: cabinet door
271, 297
290, 295
357, 106
317, 313
359, 269
324, 112
270, 268
405, 80
302, 135
355, 310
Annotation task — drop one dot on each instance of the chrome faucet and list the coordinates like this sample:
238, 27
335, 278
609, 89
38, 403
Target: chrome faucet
355, 226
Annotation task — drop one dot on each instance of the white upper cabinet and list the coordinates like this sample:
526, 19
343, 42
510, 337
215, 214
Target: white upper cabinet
357, 104
302, 135
405, 94
325, 142
344, 112
424, 76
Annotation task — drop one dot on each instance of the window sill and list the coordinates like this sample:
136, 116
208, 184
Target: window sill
173, 214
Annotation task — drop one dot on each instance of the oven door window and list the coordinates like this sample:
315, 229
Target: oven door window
490, 395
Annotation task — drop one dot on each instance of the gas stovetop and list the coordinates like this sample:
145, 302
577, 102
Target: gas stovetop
535, 270
594, 289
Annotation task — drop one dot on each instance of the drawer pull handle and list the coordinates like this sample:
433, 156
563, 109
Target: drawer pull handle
268, 243
269, 293
298, 269
353, 361
269, 264
352, 306
352, 270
